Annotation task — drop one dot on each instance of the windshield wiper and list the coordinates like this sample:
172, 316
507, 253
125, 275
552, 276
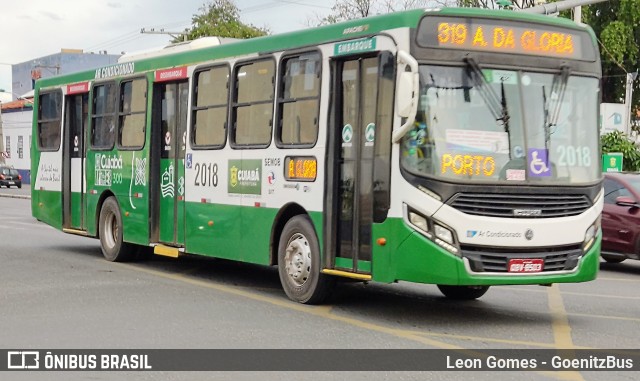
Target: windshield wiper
558, 90
497, 105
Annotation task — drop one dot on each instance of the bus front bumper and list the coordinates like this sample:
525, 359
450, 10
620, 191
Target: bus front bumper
420, 260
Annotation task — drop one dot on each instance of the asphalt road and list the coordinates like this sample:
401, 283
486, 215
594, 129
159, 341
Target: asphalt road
56, 291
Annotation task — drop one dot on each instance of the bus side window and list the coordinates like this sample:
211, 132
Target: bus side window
253, 103
210, 108
49, 118
103, 116
132, 112
299, 100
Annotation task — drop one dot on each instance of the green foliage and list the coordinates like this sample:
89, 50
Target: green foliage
343, 10
617, 141
617, 25
221, 18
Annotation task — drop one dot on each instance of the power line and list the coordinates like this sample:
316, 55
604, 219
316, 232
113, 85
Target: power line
278, 3
130, 36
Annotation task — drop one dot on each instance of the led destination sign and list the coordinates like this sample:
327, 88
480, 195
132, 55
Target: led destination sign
504, 36
301, 168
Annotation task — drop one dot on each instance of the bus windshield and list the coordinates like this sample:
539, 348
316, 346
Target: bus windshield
504, 126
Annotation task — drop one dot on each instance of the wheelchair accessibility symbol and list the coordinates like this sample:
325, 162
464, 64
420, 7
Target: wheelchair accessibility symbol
538, 160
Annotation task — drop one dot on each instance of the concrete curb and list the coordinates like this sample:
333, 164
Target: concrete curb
15, 196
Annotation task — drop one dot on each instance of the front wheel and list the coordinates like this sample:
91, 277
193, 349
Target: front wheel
463, 292
299, 263
113, 247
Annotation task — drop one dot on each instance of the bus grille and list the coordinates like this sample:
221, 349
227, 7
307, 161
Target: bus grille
495, 260
520, 205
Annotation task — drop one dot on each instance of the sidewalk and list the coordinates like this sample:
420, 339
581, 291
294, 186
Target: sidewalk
13, 192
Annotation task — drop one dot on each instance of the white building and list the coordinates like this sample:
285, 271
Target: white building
15, 124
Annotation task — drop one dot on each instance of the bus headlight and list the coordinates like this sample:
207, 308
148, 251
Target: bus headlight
590, 235
443, 233
419, 221
433, 230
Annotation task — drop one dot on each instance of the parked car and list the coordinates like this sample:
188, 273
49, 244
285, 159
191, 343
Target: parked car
10, 176
621, 217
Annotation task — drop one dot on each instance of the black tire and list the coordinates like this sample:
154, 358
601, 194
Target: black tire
612, 258
299, 263
19, 186
110, 231
463, 292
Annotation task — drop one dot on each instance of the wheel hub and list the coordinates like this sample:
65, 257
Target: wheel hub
298, 259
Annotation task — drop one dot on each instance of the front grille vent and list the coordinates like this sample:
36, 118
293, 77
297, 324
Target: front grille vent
492, 259
520, 205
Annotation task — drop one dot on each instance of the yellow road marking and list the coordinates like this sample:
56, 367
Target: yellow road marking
325, 312
560, 325
619, 279
570, 293
321, 311
607, 317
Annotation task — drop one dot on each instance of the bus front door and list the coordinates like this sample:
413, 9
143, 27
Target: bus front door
173, 140
73, 178
354, 135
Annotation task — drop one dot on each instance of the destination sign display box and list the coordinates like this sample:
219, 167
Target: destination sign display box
502, 36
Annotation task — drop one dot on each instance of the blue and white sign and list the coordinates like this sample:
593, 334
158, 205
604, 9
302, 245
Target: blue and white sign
538, 162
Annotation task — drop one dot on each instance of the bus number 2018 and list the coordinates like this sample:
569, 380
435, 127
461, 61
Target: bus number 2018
206, 175
574, 155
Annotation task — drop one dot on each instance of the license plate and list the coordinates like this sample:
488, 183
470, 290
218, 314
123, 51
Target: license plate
525, 265
10, 182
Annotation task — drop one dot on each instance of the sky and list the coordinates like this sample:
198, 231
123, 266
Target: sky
36, 28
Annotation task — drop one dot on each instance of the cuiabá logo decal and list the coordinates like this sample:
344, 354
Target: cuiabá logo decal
245, 176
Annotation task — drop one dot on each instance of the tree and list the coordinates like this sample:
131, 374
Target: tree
617, 26
221, 18
344, 10
617, 141
495, 4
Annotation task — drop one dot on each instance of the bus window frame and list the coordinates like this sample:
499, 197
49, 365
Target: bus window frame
195, 108
60, 119
233, 104
92, 114
280, 100
119, 113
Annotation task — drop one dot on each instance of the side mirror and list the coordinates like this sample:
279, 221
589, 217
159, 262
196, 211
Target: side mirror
626, 201
405, 97
407, 89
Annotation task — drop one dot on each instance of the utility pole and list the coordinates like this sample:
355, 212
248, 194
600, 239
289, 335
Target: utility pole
1, 137
175, 35
628, 97
577, 14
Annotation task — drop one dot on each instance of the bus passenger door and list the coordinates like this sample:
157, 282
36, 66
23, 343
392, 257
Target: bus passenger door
360, 152
170, 136
73, 177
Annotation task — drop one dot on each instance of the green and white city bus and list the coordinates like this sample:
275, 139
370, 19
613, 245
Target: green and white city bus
457, 147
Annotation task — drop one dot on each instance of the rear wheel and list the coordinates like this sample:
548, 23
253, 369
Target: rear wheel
463, 292
110, 230
299, 263
612, 258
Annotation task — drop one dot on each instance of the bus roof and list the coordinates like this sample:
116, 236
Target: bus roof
312, 36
